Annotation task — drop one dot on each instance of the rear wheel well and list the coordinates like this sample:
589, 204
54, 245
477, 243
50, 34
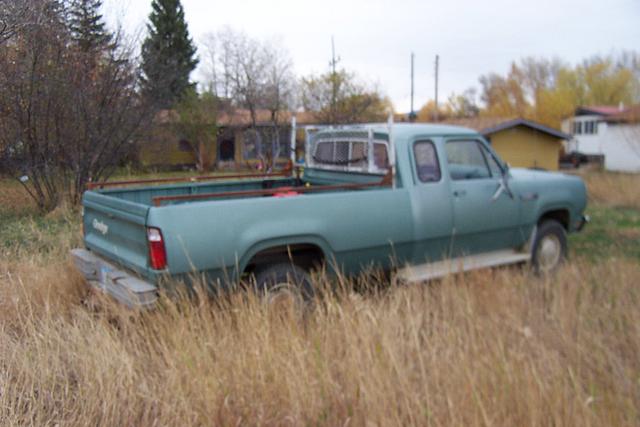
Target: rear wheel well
305, 255
560, 215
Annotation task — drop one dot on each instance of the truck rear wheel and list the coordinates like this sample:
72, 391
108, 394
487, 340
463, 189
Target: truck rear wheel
549, 248
285, 281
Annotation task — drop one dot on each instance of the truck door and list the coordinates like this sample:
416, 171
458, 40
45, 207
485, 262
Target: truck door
431, 204
481, 222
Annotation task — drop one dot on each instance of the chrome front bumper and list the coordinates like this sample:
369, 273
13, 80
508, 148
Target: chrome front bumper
584, 220
106, 277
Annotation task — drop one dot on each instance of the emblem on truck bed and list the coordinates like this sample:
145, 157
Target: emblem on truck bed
100, 226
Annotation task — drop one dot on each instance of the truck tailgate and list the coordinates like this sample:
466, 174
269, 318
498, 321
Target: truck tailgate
116, 229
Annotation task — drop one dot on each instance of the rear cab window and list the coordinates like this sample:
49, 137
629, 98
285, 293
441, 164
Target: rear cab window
426, 161
351, 155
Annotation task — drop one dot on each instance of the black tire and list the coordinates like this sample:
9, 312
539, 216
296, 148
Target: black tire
549, 249
285, 277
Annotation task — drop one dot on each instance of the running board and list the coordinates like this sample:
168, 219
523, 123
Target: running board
427, 271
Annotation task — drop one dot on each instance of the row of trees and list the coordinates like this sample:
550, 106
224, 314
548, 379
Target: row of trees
548, 90
75, 98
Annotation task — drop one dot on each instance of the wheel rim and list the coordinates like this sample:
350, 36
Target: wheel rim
284, 295
549, 253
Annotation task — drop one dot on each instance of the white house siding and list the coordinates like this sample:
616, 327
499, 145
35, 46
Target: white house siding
619, 143
586, 143
621, 148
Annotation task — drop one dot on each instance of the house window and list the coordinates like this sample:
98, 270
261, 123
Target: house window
266, 142
588, 127
250, 144
227, 150
184, 146
577, 128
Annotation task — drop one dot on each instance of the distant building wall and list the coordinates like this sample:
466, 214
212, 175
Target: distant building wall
589, 134
621, 148
164, 148
527, 148
618, 143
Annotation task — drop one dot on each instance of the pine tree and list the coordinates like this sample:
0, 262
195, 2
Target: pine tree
87, 26
168, 54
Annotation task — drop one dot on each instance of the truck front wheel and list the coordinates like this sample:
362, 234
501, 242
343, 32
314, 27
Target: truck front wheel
285, 281
549, 247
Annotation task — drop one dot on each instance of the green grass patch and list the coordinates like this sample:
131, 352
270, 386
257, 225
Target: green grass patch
612, 232
32, 234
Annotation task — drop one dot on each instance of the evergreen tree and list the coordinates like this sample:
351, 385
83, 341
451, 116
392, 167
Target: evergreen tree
87, 25
168, 54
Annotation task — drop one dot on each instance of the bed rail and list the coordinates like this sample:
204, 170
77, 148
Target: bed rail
285, 172
386, 181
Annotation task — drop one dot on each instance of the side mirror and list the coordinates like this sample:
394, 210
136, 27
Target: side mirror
503, 186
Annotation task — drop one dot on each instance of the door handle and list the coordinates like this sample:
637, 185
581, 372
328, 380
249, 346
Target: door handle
459, 193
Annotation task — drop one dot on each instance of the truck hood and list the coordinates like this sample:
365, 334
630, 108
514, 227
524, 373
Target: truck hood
538, 175
532, 179
554, 186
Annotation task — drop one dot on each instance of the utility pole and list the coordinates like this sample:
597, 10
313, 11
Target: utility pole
436, 111
412, 114
334, 81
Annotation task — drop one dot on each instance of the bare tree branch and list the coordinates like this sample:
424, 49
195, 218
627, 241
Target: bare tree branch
68, 115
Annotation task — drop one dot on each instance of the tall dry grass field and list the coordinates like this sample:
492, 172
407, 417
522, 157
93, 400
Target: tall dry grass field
495, 347
613, 189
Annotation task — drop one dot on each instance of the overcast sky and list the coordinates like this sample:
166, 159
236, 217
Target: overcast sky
375, 38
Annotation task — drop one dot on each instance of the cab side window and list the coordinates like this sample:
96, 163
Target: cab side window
466, 160
427, 165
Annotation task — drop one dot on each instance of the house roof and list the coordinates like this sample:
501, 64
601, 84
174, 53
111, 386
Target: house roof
242, 117
628, 115
599, 110
489, 125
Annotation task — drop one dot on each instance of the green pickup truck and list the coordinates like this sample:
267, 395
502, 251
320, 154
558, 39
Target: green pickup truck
418, 200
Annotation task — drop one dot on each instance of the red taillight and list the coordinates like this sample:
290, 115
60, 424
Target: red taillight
157, 253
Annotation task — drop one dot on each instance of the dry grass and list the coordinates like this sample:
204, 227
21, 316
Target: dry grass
613, 189
489, 348
13, 198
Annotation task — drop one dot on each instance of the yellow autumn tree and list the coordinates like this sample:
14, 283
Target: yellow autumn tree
549, 90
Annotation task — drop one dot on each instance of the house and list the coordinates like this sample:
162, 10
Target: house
237, 144
609, 133
519, 142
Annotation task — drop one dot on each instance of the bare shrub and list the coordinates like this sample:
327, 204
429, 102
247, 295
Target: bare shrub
68, 115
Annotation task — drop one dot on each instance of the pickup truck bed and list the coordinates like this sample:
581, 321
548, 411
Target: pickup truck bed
116, 223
